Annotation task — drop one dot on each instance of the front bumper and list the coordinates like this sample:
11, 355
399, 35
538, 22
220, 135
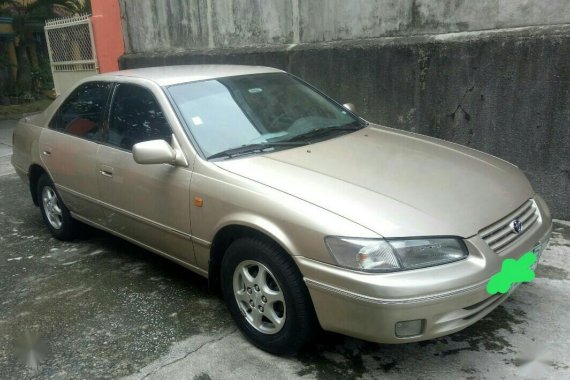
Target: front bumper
446, 298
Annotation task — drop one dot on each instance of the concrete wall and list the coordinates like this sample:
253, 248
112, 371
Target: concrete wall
503, 91
170, 25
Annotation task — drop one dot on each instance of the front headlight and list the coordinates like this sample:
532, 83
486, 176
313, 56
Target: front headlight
389, 255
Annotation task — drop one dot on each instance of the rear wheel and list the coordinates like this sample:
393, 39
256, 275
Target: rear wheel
55, 214
267, 297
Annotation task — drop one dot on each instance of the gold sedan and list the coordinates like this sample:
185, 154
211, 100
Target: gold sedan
300, 211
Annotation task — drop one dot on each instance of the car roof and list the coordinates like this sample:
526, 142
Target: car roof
169, 75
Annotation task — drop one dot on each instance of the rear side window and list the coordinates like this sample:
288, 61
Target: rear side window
81, 114
136, 117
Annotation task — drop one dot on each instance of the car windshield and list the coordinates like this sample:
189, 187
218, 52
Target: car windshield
258, 113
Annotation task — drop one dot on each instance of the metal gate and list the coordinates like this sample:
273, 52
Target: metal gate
71, 50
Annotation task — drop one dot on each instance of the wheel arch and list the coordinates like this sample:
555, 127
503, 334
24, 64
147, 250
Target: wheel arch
224, 237
34, 173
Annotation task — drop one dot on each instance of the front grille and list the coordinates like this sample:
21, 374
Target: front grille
500, 234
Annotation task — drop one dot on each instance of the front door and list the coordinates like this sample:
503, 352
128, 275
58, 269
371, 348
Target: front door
147, 203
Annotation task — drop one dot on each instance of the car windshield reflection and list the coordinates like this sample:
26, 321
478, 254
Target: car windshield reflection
237, 112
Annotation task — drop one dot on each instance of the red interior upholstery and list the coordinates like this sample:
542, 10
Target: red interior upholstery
80, 127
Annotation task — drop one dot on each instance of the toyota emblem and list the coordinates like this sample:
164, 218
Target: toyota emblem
516, 226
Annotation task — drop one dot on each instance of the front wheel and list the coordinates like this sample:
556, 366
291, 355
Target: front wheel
267, 297
55, 214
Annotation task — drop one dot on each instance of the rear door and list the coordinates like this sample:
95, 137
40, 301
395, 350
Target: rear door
147, 203
68, 148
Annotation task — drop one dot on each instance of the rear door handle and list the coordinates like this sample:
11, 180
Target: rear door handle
46, 152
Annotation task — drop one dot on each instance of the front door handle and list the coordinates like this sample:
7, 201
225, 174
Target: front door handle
106, 171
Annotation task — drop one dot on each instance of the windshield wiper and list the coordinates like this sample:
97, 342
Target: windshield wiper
324, 131
254, 148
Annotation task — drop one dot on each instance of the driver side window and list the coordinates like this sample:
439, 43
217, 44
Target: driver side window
136, 117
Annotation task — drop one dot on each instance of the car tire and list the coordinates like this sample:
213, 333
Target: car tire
56, 216
286, 320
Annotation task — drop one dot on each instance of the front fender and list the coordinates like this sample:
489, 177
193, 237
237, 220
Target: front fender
299, 227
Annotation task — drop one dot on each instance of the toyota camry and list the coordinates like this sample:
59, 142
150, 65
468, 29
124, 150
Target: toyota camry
300, 212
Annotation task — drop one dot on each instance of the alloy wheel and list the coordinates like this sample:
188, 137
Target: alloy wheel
52, 208
259, 297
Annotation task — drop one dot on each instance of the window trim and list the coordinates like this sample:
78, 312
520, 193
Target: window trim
107, 121
57, 112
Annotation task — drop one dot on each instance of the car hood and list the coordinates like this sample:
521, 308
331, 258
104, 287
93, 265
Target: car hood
394, 183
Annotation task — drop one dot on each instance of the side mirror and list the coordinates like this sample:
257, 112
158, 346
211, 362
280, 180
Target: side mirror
154, 152
350, 107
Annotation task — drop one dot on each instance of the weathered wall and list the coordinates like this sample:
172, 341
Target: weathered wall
169, 25
503, 91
